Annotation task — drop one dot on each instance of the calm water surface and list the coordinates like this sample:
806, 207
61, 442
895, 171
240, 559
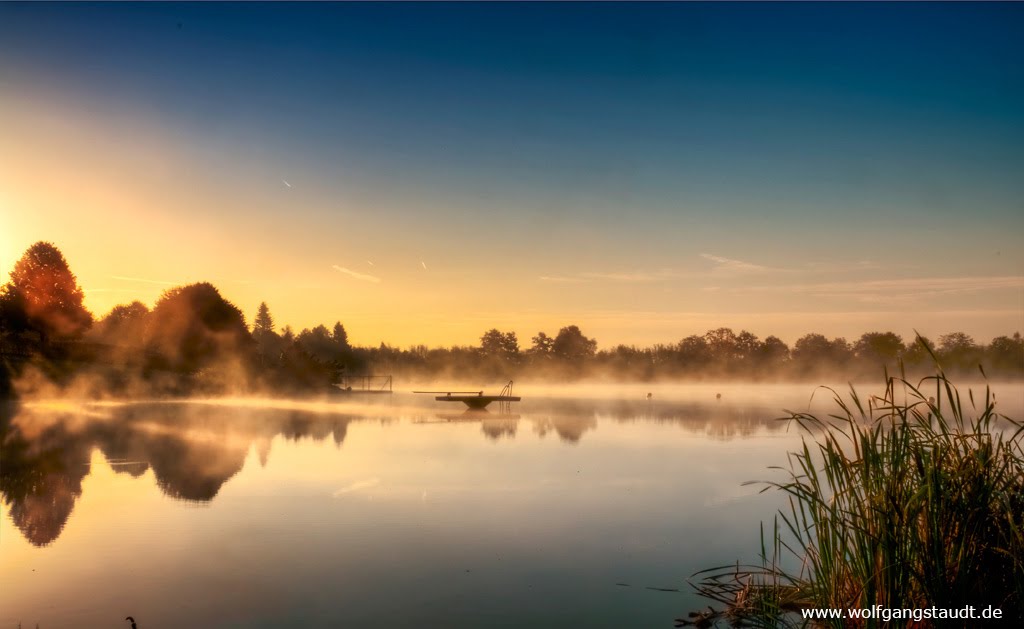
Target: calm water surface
382, 512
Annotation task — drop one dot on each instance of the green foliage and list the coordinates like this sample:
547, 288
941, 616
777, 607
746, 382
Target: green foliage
909, 500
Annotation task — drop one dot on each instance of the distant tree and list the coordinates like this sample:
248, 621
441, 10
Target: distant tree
571, 345
722, 345
747, 345
1007, 353
287, 334
920, 352
499, 344
490, 342
43, 296
263, 323
841, 350
318, 344
542, 344
813, 352
340, 336
693, 352
192, 327
510, 344
958, 350
125, 324
773, 351
879, 348
269, 345
956, 342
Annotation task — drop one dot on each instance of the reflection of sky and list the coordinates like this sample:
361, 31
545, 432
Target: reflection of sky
401, 524
320, 514
770, 167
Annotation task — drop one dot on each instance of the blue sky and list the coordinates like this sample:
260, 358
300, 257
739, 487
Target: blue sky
617, 148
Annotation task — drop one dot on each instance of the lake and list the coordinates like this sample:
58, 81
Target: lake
577, 506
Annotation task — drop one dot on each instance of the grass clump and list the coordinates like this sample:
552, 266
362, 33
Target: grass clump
914, 499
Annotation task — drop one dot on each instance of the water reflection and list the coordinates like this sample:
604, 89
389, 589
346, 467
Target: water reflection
193, 449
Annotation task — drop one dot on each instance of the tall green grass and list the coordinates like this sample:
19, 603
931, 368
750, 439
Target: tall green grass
912, 499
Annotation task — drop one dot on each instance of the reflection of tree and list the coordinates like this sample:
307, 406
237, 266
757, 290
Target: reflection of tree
570, 419
499, 427
41, 478
192, 450
192, 470
569, 428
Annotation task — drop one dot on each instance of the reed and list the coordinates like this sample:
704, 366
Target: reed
913, 499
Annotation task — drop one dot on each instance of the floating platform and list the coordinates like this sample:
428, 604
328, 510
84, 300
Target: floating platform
478, 401
336, 390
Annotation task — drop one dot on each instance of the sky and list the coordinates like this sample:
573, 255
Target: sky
425, 172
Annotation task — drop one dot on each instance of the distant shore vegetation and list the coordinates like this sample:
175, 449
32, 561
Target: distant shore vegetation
193, 341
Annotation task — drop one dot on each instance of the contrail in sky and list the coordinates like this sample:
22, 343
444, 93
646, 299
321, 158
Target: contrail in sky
359, 276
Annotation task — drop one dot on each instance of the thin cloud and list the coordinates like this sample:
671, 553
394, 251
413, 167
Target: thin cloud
143, 280
629, 276
560, 279
626, 277
735, 266
363, 277
875, 291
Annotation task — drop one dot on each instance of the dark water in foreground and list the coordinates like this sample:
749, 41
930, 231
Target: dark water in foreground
393, 512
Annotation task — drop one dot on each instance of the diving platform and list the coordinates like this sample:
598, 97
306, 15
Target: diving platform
476, 399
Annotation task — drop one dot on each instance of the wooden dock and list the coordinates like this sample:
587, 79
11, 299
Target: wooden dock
476, 399
360, 384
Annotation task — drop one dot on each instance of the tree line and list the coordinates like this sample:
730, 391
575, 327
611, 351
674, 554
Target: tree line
194, 341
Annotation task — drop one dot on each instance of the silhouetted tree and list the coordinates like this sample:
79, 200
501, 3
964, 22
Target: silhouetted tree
693, 352
919, 354
747, 346
193, 327
542, 344
721, 345
957, 350
269, 345
813, 352
772, 352
318, 344
43, 296
499, 344
879, 348
263, 323
1007, 353
340, 336
572, 346
125, 324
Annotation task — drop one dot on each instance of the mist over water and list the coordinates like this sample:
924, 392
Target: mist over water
314, 513
388, 510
